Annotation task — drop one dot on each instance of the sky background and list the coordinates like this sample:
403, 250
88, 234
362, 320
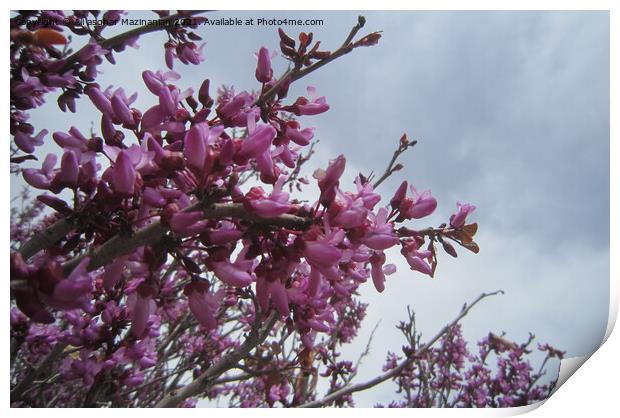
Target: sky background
511, 113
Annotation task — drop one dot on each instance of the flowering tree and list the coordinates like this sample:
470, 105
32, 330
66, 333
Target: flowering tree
162, 276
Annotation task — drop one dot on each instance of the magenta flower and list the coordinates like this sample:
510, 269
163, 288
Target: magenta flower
378, 270
224, 234
457, 220
121, 108
272, 288
399, 195
330, 179
123, 174
380, 235
202, 303
314, 106
189, 53
321, 253
274, 205
154, 82
69, 171
72, 292
416, 257
187, 222
142, 306
421, 205
41, 178
26, 142
258, 141
237, 274
366, 193
264, 73
166, 101
302, 137
196, 143
100, 100
169, 55
113, 272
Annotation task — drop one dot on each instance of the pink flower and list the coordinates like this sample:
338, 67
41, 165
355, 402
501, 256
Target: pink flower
258, 141
457, 220
399, 195
142, 306
416, 257
69, 171
315, 106
100, 100
237, 274
225, 234
26, 142
187, 222
113, 272
420, 206
123, 174
381, 234
268, 287
72, 292
264, 73
41, 178
195, 149
274, 205
350, 213
378, 270
202, 303
330, 179
302, 137
121, 108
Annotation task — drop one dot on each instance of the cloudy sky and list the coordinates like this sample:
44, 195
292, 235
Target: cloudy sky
511, 111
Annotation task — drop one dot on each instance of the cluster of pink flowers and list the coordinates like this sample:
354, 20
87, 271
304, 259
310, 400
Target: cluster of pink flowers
200, 250
450, 375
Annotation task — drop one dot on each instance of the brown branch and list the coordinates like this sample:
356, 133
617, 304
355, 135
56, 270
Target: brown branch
18, 391
364, 353
392, 166
121, 38
46, 238
349, 389
122, 244
229, 361
297, 72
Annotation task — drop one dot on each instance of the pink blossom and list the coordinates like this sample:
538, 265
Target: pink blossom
41, 178
422, 204
123, 174
380, 235
234, 274
314, 106
202, 303
264, 73
457, 220
258, 141
26, 142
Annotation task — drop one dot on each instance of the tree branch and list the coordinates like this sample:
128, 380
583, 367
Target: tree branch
296, 73
18, 390
256, 337
349, 389
122, 244
120, 39
46, 238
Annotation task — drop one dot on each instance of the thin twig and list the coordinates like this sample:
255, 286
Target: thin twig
229, 361
19, 389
